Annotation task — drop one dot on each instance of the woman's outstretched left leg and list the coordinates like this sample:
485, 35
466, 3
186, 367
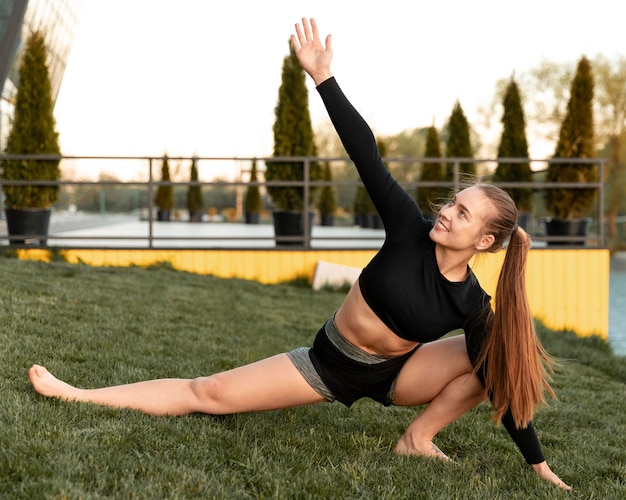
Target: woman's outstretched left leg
269, 384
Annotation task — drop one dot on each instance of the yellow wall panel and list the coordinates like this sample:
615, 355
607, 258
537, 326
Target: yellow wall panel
567, 289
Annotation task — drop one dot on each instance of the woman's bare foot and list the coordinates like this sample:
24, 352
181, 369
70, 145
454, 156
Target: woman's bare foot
408, 446
546, 473
47, 384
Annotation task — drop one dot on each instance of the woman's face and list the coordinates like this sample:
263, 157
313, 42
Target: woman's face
460, 224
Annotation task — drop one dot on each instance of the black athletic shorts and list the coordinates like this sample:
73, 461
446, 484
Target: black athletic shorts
351, 373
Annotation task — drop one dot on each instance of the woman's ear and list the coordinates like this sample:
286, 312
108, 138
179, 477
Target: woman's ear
485, 242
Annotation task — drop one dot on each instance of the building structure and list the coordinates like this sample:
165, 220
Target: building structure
57, 20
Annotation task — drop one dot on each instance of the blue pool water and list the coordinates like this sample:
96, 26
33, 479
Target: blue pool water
617, 305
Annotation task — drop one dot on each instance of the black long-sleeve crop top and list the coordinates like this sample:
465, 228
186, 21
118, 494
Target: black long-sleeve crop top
402, 283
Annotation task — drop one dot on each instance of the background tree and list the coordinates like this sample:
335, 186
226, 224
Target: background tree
327, 202
164, 198
576, 140
195, 203
546, 91
33, 132
329, 146
252, 201
365, 211
432, 171
610, 118
405, 144
293, 136
458, 144
513, 144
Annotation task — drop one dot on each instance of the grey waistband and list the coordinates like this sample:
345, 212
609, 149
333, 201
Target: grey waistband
349, 349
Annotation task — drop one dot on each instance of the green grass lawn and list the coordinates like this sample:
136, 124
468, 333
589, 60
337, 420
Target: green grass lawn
101, 326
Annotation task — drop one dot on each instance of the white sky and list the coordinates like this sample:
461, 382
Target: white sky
201, 77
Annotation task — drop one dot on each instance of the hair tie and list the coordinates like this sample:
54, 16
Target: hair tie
515, 228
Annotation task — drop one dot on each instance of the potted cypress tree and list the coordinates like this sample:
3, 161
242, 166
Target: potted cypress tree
432, 171
253, 202
362, 207
576, 140
459, 144
195, 203
513, 144
365, 213
293, 136
28, 208
374, 217
164, 198
327, 203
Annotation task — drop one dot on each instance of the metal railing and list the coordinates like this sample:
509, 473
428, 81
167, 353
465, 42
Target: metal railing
237, 182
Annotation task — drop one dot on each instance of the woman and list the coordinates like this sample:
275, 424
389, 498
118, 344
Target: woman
382, 342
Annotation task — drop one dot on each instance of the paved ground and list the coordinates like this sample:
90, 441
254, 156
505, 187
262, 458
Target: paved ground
130, 232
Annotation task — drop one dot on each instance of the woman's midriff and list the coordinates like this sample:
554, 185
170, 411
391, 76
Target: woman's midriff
360, 326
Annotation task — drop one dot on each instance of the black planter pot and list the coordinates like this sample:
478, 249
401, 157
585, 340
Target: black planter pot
327, 220
363, 220
377, 222
253, 218
525, 221
195, 216
28, 226
164, 215
288, 225
567, 227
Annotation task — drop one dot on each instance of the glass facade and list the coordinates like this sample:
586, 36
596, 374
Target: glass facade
58, 20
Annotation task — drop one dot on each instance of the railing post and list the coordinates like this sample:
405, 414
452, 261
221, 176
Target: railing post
150, 202
601, 204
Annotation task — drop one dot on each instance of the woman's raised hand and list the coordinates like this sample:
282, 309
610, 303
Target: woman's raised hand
314, 56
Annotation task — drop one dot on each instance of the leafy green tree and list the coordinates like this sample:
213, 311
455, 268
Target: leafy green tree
459, 144
513, 144
33, 132
164, 198
576, 140
252, 202
610, 94
432, 171
195, 203
293, 136
546, 92
408, 143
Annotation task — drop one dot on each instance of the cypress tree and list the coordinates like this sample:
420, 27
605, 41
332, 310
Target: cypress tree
369, 204
33, 132
576, 140
252, 202
364, 208
293, 136
195, 203
164, 198
432, 171
459, 144
513, 144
